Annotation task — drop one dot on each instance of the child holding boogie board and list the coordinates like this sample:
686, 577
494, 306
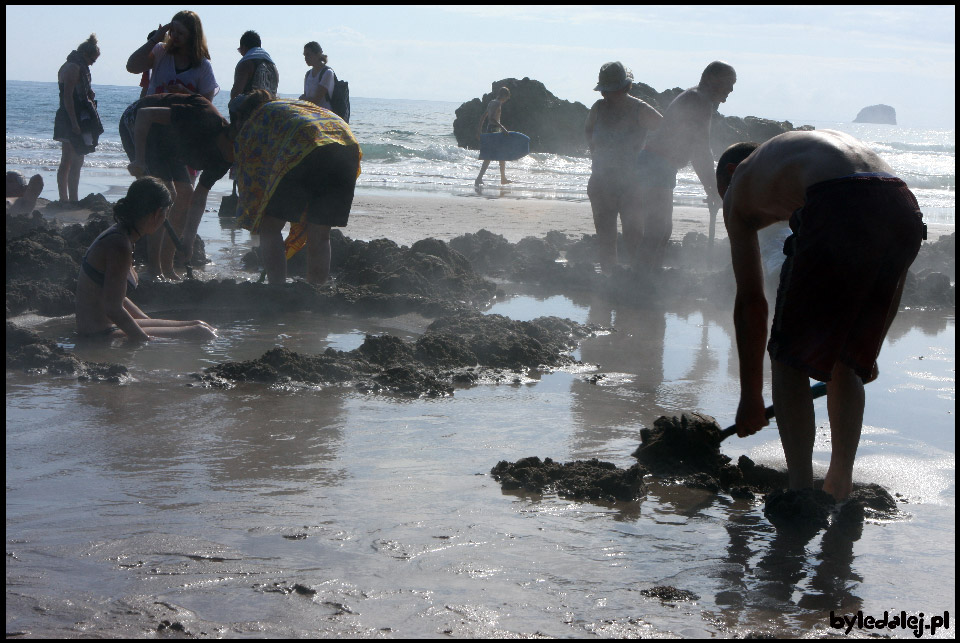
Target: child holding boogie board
496, 142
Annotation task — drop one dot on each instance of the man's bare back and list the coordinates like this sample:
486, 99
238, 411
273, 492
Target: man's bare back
683, 130
771, 183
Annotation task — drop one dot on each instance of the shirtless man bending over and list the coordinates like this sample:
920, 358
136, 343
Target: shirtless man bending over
856, 229
683, 137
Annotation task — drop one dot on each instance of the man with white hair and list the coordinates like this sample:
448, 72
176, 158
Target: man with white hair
683, 137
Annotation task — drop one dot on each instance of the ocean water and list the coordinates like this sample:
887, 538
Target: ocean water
306, 512
409, 145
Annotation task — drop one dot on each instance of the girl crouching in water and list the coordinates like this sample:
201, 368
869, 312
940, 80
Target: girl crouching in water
106, 271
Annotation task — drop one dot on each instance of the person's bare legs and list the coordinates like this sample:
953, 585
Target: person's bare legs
186, 329
483, 170
604, 207
194, 214
503, 173
318, 253
656, 220
631, 216
845, 402
178, 219
796, 422
272, 249
68, 174
26, 203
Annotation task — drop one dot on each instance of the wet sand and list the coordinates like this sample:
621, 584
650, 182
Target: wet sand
407, 218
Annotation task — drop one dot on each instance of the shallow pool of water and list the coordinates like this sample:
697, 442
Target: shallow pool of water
292, 511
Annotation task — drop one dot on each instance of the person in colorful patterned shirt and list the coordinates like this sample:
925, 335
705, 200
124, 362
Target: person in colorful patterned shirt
298, 163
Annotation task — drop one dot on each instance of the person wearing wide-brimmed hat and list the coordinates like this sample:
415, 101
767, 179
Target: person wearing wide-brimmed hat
616, 128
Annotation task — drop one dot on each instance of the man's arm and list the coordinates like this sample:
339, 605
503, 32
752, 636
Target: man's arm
590, 125
701, 158
116, 269
142, 59
494, 115
749, 316
241, 76
71, 77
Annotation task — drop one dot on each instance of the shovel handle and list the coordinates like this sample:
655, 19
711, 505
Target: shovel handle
817, 390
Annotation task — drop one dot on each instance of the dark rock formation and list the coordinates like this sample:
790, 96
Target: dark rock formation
556, 126
880, 114
553, 125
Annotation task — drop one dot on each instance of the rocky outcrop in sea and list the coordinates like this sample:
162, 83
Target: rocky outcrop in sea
878, 114
555, 126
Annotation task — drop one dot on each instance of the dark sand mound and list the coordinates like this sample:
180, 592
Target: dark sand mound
465, 348
28, 352
686, 450
581, 479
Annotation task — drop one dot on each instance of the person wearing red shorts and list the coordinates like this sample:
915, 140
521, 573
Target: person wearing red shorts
856, 229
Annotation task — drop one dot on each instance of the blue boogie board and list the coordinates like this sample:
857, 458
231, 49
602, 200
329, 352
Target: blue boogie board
504, 147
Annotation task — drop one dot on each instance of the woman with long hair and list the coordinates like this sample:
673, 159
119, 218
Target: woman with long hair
178, 59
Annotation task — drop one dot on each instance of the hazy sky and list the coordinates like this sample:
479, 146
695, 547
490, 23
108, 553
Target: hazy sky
793, 62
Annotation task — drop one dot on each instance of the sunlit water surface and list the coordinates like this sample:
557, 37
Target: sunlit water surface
154, 499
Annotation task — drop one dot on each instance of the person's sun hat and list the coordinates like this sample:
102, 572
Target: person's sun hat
613, 78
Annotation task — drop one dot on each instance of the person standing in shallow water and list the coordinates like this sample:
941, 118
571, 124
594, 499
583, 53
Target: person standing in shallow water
615, 130
106, 272
683, 137
856, 229
489, 124
77, 124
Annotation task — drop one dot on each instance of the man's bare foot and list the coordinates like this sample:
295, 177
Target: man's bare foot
839, 489
505, 181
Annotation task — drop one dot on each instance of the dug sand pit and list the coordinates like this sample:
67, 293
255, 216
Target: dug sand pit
578, 480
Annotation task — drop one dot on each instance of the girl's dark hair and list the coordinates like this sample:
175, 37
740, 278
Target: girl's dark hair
315, 47
89, 47
144, 197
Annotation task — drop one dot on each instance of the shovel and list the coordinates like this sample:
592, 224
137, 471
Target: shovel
179, 246
228, 204
817, 390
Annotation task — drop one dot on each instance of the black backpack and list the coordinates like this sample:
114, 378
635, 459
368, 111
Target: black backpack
340, 101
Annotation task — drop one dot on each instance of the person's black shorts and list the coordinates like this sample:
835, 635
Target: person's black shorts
322, 185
